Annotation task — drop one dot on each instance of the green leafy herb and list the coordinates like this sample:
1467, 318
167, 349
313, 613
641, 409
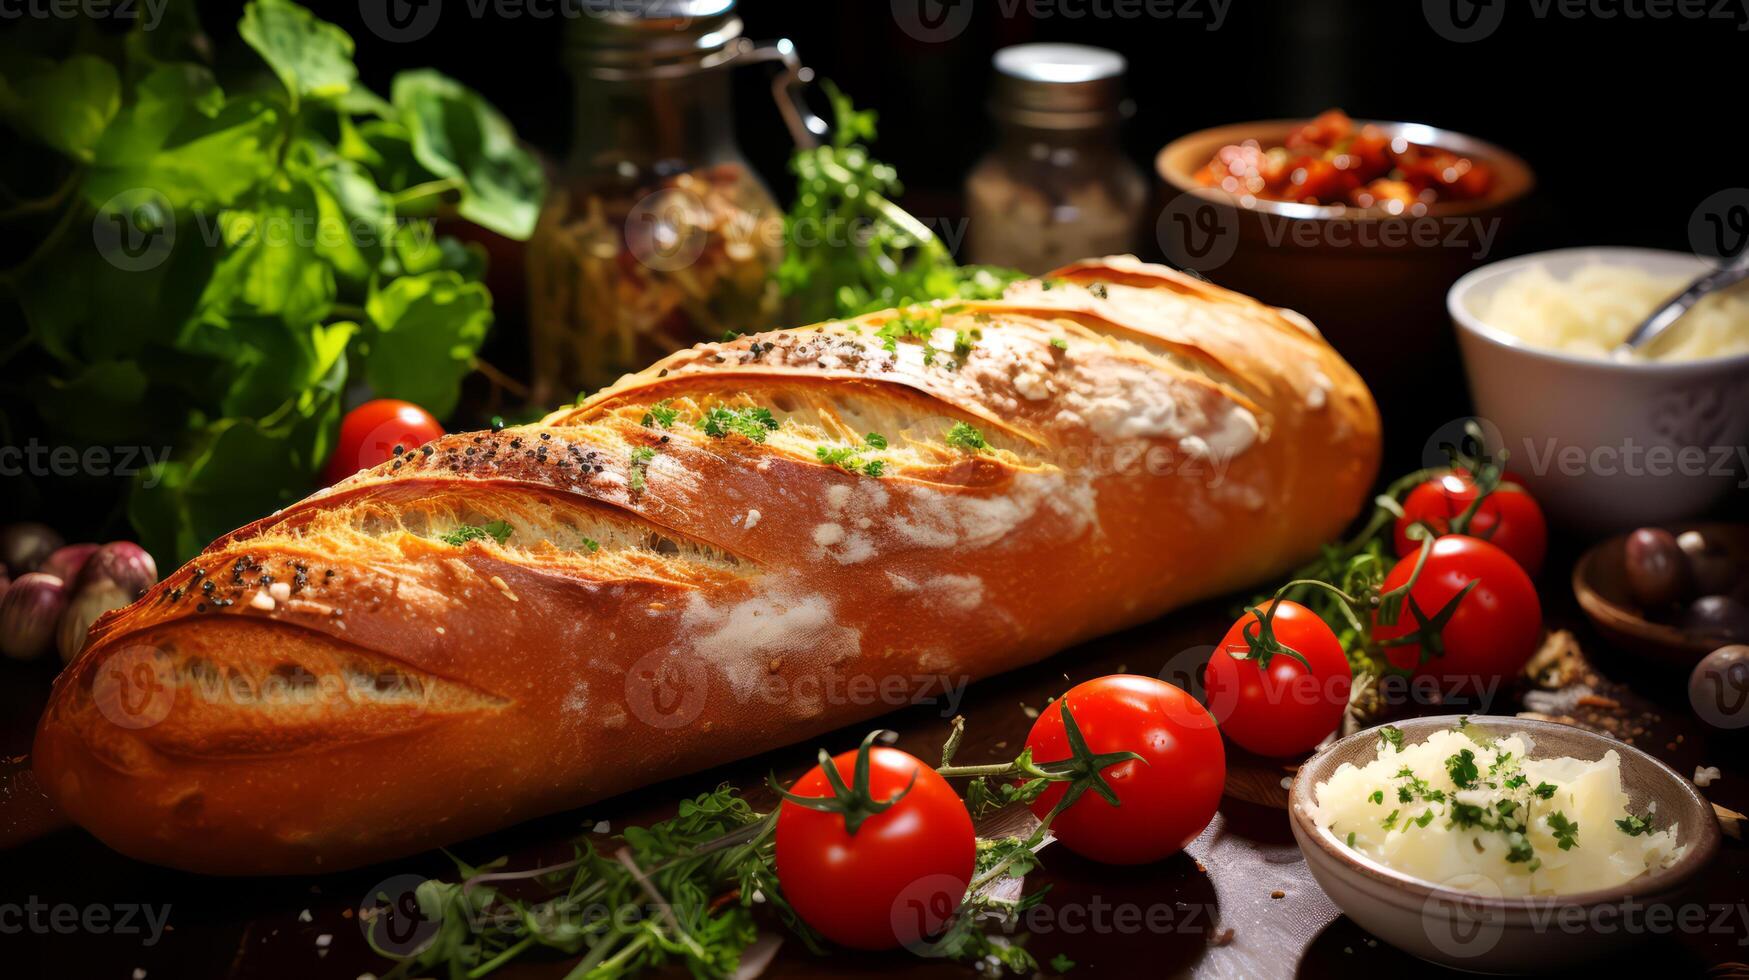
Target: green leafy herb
1061, 963
498, 531
1378, 796
638, 468
660, 414
1566, 832
1518, 849
1462, 769
1635, 826
1060, 343
1467, 815
1390, 820
1393, 736
852, 250
716, 845
753, 423
910, 326
1416, 788
1425, 818
1544, 790
852, 457
966, 438
233, 260
592, 544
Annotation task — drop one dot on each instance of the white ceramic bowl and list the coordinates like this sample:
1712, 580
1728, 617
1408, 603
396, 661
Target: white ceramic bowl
1606, 445
1481, 931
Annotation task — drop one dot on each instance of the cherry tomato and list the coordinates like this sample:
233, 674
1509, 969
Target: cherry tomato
370, 433
1165, 799
1285, 708
900, 877
1492, 632
1509, 518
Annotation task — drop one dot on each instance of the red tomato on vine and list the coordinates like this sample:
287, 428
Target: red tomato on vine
884, 858
1162, 800
1272, 701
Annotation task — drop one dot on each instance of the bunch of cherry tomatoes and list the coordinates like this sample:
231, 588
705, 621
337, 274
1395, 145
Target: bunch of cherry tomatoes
874, 848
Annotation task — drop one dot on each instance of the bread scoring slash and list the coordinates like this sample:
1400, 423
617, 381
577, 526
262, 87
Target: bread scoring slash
748, 544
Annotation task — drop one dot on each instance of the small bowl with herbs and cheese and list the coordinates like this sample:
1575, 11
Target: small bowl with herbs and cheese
1498, 845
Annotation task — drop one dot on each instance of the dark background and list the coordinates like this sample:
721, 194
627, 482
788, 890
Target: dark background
1629, 122
1626, 121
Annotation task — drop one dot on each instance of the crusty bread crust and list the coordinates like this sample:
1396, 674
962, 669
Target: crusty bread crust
363, 675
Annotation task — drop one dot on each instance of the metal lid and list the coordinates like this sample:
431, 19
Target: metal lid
1059, 86
613, 39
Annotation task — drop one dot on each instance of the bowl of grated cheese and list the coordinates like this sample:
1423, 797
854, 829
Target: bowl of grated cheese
1500, 844
1608, 442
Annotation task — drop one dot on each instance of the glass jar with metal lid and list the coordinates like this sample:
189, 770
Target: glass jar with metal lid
658, 234
1057, 187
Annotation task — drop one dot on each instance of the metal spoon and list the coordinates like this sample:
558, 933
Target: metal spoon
1664, 317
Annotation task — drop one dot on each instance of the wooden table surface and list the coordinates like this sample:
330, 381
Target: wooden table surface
1207, 913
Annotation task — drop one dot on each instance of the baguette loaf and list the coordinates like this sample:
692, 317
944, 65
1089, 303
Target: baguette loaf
500, 625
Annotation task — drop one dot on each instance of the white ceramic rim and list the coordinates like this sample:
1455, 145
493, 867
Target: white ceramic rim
1457, 305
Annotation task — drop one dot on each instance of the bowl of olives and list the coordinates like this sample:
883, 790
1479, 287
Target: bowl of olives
1675, 593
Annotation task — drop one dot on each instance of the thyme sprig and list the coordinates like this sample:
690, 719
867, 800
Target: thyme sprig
684, 891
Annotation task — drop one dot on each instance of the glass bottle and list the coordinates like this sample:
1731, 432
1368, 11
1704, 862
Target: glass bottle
658, 234
1057, 186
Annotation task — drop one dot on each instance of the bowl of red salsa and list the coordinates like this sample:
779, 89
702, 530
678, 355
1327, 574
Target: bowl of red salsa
1334, 161
1361, 225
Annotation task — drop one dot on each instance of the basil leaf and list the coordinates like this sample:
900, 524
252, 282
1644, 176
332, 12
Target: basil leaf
206, 162
312, 57
356, 220
269, 267
427, 330
168, 98
456, 135
241, 469
67, 106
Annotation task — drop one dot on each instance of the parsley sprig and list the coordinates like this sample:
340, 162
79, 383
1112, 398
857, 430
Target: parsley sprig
966, 438
852, 249
498, 531
753, 422
853, 458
